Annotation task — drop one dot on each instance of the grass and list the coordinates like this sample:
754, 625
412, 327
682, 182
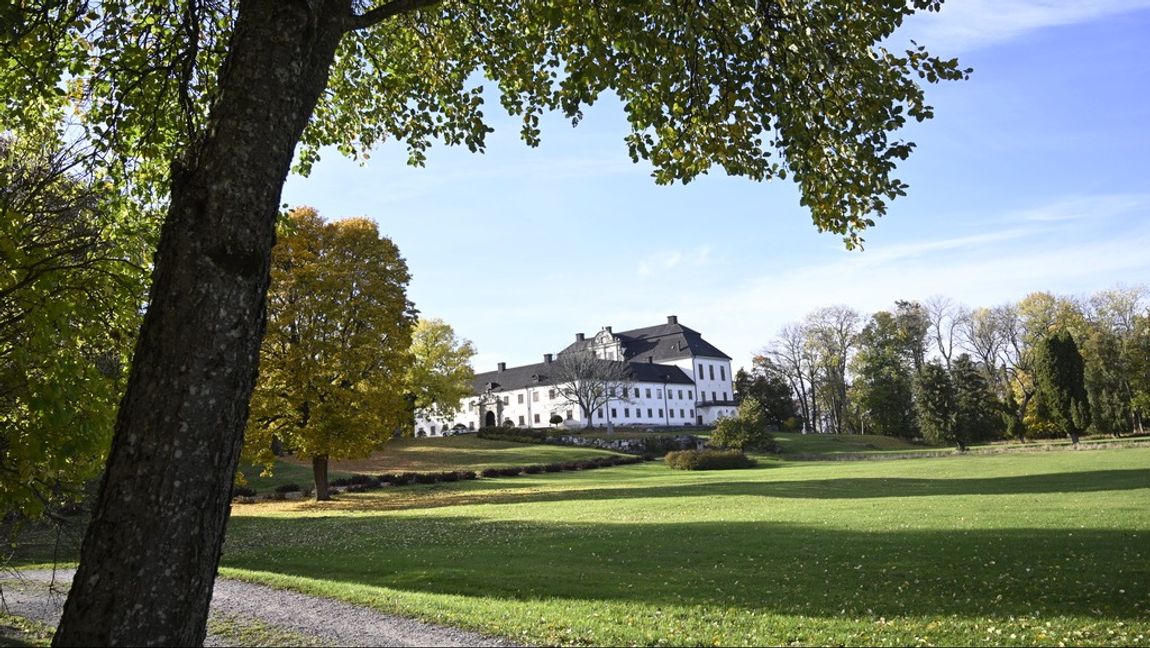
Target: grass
239, 631
795, 443
1029, 549
18, 631
461, 452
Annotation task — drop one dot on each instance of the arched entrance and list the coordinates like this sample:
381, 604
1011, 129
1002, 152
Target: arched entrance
489, 420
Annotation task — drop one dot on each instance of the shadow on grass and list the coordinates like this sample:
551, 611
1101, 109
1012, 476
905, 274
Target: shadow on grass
762, 566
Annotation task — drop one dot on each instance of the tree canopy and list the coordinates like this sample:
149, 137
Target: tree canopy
440, 373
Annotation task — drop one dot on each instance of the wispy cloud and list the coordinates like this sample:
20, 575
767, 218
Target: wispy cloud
969, 24
1086, 208
672, 259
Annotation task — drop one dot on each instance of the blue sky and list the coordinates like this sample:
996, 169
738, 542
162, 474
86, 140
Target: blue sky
1034, 175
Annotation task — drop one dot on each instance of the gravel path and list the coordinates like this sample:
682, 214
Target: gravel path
285, 615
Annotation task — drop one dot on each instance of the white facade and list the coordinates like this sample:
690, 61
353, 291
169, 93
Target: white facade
700, 393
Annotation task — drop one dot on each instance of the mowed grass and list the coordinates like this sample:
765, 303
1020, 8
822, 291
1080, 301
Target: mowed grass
1031, 549
434, 454
460, 452
795, 443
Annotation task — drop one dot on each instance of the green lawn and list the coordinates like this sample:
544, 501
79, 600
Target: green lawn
1042, 548
795, 443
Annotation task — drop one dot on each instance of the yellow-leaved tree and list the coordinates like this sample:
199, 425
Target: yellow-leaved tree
440, 374
332, 364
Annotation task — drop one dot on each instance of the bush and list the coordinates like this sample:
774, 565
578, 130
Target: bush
553, 467
449, 476
243, 491
398, 479
556, 419
745, 430
708, 460
533, 470
466, 474
288, 488
426, 478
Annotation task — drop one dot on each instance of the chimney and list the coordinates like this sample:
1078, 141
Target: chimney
672, 319
607, 328
578, 337
547, 357
503, 366
650, 359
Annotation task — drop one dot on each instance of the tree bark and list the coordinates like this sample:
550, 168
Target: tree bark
319, 470
149, 557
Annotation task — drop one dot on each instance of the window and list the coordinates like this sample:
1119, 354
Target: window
551, 394
724, 395
506, 400
691, 394
534, 397
611, 392
680, 394
670, 413
599, 413
649, 414
660, 413
714, 396
712, 371
613, 414
626, 412
536, 418
471, 425
636, 392
520, 420
691, 411
648, 392
431, 429
722, 372
658, 393
681, 415
520, 399
700, 371
568, 415
419, 431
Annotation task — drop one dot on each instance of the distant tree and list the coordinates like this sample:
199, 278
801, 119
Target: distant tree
829, 336
72, 283
788, 352
555, 419
935, 403
945, 318
339, 332
884, 371
766, 383
1060, 379
746, 430
588, 382
913, 326
440, 373
977, 412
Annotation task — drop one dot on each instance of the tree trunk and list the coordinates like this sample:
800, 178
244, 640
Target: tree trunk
150, 554
319, 470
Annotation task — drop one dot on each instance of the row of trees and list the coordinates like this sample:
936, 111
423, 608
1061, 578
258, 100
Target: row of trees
945, 372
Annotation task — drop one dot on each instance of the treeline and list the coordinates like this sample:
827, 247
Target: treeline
1037, 368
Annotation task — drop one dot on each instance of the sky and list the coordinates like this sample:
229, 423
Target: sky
1034, 175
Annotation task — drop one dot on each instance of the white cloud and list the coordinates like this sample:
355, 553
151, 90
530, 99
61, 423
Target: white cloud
1065, 256
1086, 207
970, 24
671, 259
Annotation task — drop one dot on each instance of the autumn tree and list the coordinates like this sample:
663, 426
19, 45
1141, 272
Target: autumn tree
588, 382
935, 403
829, 337
440, 373
222, 94
339, 332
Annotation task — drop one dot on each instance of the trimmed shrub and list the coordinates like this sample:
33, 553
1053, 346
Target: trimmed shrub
240, 491
489, 472
466, 474
533, 469
288, 488
449, 476
425, 478
553, 467
708, 460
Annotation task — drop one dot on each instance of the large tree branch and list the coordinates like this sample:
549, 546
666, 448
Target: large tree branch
385, 11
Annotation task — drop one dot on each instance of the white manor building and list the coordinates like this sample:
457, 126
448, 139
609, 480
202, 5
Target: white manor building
678, 378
